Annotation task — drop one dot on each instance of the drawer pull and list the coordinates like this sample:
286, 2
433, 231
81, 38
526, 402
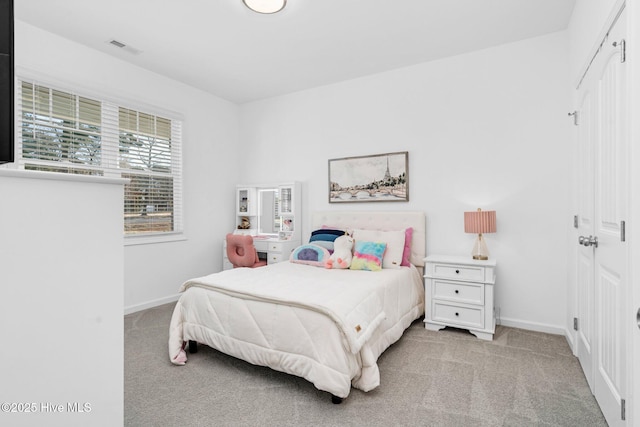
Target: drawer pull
457, 314
457, 271
457, 291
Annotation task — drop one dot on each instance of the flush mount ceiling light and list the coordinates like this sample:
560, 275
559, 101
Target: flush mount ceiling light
265, 6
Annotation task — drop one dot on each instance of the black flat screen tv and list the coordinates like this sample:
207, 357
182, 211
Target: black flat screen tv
6, 82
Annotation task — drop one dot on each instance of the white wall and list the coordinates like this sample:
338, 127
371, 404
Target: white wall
487, 129
154, 272
63, 291
61, 319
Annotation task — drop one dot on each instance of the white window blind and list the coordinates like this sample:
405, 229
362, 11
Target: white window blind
61, 132
68, 133
147, 160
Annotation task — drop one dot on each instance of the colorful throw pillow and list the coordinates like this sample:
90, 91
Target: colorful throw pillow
368, 255
325, 237
406, 254
395, 241
310, 254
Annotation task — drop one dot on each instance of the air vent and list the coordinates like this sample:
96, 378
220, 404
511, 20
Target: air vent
124, 46
117, 43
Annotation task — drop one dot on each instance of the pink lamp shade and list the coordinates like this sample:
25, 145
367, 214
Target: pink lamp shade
480, 222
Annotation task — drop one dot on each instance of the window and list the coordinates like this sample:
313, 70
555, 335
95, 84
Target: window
145, 143
60, 132
68, 133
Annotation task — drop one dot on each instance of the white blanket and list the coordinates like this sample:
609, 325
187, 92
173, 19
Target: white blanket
328, 326
353, 301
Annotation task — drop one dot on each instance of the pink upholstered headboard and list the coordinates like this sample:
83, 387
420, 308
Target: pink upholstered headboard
376, 220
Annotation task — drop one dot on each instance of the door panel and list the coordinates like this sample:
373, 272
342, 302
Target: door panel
586, 314
586, 227
610, 208
602, 202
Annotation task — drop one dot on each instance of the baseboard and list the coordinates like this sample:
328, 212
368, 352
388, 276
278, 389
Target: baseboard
541, 327
150, 304
533, 326
571, 336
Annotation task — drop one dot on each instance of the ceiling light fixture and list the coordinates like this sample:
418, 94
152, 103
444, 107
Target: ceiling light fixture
265, 6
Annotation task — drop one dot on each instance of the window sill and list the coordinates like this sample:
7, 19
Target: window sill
21, 173
154, 239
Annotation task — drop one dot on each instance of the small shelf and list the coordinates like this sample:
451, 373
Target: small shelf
287, 199
246, 201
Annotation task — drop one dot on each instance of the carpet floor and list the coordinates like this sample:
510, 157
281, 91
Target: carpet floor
445, 378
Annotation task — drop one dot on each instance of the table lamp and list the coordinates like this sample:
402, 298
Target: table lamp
480, 222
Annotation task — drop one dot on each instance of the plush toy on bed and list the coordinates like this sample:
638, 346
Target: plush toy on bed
342, 253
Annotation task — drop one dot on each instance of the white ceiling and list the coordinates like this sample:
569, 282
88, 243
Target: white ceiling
222, 47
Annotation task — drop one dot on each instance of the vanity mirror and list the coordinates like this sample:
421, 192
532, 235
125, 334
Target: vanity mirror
268, 212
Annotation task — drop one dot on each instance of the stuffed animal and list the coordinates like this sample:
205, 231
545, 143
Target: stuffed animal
342, 253
245, 224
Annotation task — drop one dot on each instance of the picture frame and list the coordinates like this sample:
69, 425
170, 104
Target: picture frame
372, 178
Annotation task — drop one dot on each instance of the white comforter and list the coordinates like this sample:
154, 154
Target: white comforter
328, 326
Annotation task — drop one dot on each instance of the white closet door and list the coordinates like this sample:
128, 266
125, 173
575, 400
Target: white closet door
602, 270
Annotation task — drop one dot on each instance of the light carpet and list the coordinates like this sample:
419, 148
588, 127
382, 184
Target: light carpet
445, 378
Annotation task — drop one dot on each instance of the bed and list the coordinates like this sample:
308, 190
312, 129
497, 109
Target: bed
328, 326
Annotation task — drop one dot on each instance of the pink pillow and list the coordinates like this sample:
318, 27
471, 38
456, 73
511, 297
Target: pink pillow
406, 255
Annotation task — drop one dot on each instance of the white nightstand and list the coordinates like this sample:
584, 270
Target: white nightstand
459, 293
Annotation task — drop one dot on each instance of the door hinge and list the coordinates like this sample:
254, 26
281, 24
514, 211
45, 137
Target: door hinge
575, 117
623, 49
575, 323
575, 221
623, 231
623, 409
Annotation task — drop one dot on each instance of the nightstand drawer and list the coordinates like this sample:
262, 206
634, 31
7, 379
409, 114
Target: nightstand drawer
458, 272
470, 293
456, 315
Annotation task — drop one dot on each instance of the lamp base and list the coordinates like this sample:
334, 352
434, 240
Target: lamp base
480, 251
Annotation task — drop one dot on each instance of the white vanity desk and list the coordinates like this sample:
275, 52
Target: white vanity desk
268, 213
270, 248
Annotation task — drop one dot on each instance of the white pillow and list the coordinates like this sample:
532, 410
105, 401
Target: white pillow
392, 257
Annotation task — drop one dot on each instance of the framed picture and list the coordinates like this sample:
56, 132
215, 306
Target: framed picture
375, 178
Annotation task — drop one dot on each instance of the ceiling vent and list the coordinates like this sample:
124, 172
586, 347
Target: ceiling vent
117, 43
124, 46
